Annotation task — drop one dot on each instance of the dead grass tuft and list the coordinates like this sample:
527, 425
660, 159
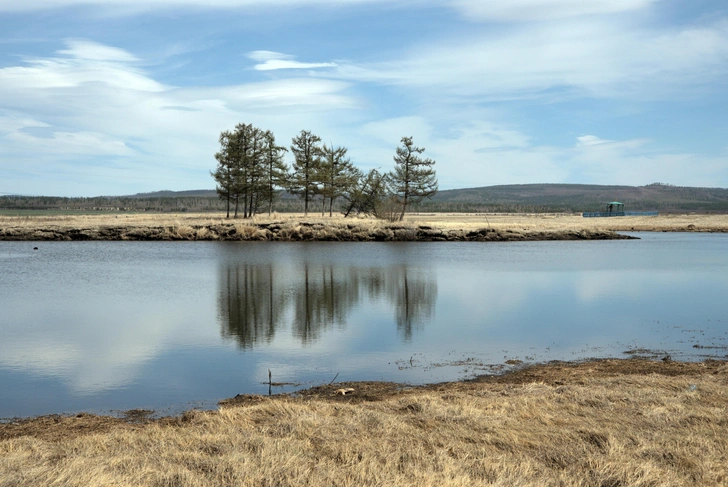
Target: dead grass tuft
245, 230
606, 424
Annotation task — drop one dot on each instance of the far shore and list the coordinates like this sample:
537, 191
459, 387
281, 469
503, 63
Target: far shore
597, 423
295, 227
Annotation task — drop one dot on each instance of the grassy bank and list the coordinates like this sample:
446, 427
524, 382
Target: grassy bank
606, 423
183, 226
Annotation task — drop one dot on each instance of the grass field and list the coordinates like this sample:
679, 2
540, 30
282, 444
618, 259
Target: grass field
446, 221
606, 423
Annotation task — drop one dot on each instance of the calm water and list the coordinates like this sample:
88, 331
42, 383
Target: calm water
111, 326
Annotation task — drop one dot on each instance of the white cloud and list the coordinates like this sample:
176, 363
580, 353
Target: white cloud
93, 51
267, 55
285, 64
82, 63
590, 143
76, 143
486, 153
144, 5
637, 162
585, 57
92, 100
529, 10
586, 140
275, 60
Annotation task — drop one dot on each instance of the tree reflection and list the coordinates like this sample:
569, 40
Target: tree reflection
257, 300
413, 294
324, 300
251, 304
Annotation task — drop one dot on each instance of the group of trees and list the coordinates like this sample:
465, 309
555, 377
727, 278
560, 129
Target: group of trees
250, 167
251, 173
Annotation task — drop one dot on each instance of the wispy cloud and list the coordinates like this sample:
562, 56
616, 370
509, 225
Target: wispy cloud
92, 100
82, 62
144, 5
594, 58
497, 92
270, 61
532, 10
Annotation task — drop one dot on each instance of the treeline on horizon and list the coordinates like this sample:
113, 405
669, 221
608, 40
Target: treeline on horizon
528, 198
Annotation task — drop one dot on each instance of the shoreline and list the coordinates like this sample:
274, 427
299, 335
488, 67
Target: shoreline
453, 227
553, 372
299, 232
599, 422
295, 227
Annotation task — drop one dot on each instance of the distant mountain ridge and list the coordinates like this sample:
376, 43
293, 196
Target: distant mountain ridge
586, 197
531, 198
195, 193
551, 198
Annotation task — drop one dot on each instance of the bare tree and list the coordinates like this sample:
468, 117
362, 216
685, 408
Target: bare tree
366, 196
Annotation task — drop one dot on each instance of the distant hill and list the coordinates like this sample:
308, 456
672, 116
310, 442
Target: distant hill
195, 193
531, 198
579, 198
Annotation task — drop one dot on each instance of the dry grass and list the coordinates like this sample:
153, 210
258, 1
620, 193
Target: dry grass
578, 425
180, 224
561, 222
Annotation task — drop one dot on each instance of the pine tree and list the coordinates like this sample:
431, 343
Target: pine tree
276, 170
413, 178
337, 175
223, 174
240, 170
307, 153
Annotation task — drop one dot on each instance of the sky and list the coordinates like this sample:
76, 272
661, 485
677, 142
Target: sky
116, 97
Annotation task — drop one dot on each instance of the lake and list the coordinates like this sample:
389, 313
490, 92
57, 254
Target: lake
110, 326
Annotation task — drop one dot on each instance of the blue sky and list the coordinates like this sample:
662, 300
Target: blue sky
111, 97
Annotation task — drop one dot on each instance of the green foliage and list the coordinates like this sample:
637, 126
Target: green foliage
336, 174
250, 166
413, 178
276, 170
365, 197
307, 152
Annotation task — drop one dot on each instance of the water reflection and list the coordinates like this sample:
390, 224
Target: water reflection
413, 297
311, 311
256, 300
251, 303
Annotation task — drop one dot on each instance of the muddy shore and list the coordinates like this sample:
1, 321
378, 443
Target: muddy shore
554, 374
